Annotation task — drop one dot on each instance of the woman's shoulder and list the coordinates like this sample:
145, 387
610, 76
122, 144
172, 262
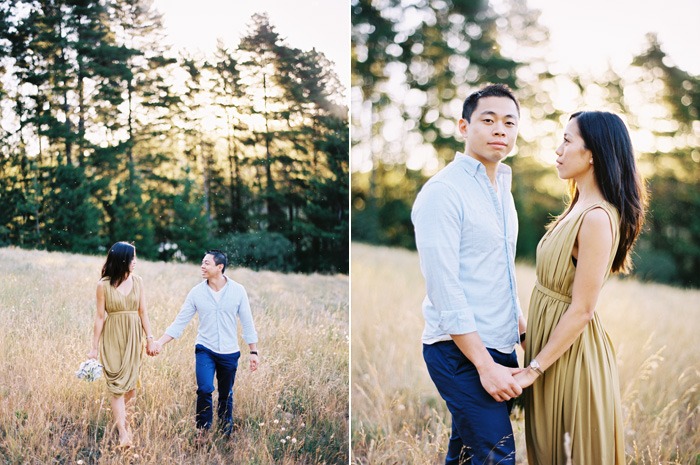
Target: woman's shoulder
604, 209
599, 222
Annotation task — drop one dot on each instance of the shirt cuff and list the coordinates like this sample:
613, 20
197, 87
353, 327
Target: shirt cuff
457, 322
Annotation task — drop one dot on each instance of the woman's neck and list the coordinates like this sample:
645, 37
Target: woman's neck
588, 191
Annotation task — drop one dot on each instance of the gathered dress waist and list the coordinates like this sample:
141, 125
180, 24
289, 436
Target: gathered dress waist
554, 294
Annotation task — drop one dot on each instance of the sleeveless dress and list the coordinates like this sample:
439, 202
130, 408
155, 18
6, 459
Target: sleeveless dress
580, 392
121, 343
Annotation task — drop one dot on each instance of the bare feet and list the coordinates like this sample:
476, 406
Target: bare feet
125, 440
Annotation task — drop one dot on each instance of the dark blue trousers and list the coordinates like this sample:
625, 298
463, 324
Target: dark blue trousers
481, 429
224, 366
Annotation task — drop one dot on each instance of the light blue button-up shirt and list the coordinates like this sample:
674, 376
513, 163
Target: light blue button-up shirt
465, 234
217, 320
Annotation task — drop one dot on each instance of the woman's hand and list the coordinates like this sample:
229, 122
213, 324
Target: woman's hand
153, 348
92, 354
526, 377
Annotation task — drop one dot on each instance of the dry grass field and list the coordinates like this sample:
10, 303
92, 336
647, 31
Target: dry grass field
399, 418
293, 410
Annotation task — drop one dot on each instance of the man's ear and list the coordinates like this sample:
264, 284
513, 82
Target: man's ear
463, 125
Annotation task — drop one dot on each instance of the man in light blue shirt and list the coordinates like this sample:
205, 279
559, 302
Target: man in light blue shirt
466, 229
219, 301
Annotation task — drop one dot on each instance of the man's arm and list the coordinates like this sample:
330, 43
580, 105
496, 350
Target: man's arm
245, 315
496, 379
438, 226
175, 330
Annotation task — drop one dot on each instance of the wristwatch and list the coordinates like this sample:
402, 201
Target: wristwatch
536, 366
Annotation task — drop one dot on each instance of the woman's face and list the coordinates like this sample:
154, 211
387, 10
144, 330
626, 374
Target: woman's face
574, 159
132, 265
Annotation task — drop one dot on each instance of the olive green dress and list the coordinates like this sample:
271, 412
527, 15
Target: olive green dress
121, 343
580, 392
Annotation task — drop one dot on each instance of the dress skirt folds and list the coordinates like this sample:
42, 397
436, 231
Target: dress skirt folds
121, 344
580, 393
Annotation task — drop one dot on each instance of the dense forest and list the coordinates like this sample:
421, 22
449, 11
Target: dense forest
106, 134
413, 63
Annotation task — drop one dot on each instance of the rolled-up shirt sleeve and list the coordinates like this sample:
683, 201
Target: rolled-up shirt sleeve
437, 219
186, 313
250, 336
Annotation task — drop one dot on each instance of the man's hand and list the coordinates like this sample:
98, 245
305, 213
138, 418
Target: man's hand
254, 361
496, 379
499, 382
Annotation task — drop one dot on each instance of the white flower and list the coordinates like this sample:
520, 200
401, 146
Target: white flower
89, 370
294, 440
283, 441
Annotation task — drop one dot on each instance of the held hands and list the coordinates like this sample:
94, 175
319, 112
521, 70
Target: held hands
500, 382
154, 348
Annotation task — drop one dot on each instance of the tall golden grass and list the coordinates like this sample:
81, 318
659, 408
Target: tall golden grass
399, 418
293, 410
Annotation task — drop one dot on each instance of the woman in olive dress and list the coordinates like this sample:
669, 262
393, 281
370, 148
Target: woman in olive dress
572, 372
120, 323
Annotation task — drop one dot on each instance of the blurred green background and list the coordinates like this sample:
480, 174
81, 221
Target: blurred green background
414, 62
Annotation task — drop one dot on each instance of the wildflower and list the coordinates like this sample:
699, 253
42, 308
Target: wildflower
283, 441
276, 421
294, 440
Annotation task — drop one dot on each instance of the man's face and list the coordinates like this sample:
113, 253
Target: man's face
491, 134
209, 267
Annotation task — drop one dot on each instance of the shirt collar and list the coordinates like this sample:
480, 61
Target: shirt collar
471, 165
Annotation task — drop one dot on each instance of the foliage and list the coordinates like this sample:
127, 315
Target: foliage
93, 92
260, 250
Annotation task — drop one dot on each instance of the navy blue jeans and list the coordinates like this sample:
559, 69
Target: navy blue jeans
224, 366
481, 429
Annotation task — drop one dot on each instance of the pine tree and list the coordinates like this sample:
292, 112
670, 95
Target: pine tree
229, 94
259, 48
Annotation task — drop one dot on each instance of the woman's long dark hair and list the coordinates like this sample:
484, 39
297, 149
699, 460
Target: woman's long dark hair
615, 171
116, 267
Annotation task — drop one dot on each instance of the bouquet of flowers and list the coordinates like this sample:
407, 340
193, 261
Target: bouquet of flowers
90, 370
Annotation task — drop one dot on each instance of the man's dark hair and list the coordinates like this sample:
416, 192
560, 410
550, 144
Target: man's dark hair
492, 90
219, 258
